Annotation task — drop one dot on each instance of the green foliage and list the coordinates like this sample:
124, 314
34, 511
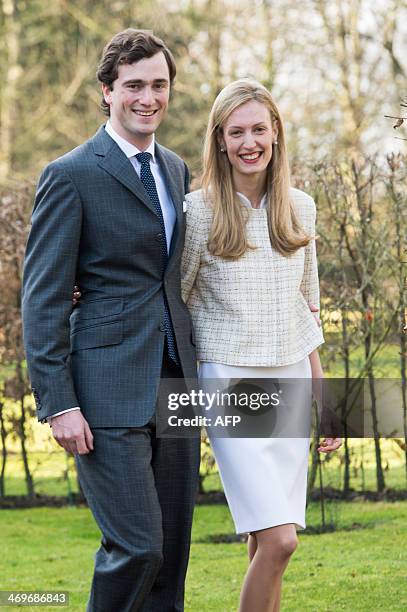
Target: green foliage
360, 567
49, 53
386, 364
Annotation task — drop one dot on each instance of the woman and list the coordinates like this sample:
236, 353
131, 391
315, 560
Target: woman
249, 273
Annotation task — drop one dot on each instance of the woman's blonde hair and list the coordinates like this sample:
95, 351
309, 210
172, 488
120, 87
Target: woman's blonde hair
228, 238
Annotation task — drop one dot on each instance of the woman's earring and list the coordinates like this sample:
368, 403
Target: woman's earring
222, 150
276, 142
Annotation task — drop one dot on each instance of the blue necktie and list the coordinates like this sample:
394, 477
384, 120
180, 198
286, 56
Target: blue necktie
147, 178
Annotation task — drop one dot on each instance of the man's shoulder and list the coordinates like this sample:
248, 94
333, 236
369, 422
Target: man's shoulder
170, 155
77, 157
71, 158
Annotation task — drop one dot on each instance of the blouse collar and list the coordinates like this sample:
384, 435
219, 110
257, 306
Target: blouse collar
246, 201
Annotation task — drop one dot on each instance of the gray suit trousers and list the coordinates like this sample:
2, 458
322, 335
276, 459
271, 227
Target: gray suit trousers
141, 490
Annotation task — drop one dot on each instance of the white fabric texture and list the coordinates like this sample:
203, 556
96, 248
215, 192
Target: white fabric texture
264, 479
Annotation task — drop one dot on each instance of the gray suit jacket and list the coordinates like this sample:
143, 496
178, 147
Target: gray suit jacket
93, 223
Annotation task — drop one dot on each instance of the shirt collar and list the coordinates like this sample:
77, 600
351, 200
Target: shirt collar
130, 150
246, 201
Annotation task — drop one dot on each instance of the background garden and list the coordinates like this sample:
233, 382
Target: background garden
338, 72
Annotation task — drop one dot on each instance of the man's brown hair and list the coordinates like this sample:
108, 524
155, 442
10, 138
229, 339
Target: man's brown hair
128, 47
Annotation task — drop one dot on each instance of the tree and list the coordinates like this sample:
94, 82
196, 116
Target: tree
13, 234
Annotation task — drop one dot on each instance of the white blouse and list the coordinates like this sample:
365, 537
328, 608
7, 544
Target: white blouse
253, 311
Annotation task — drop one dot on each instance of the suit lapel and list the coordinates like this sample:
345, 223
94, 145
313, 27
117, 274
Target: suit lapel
176, 188
114, 161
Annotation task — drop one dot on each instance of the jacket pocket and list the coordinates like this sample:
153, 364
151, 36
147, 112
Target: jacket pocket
104, 334
105, 307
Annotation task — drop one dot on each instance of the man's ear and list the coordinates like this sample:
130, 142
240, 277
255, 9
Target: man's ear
107, 93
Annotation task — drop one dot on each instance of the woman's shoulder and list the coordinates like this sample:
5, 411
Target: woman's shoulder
304, 205
301, 199
197, 204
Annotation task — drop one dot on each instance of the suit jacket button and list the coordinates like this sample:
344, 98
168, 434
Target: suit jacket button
159, 237
162, 327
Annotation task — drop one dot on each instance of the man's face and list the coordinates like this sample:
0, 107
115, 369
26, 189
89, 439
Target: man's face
139, 98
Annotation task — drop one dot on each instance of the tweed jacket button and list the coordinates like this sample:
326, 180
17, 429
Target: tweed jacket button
162, 327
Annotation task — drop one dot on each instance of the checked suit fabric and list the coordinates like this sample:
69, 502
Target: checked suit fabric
147, 178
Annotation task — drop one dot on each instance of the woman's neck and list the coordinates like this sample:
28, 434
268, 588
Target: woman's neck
252, 186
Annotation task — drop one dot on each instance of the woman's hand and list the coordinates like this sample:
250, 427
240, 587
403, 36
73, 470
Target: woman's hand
315, 313
76, 295
329, 444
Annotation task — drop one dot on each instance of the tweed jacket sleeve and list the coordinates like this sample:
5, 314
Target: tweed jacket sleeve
310, 282
195, 235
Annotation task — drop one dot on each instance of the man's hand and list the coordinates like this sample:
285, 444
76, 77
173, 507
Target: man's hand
314, 309
72, 432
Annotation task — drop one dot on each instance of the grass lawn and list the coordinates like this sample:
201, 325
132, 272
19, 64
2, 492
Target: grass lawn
386, 362
362, 566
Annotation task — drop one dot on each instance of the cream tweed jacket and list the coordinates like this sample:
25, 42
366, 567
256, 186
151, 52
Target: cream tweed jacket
253, 311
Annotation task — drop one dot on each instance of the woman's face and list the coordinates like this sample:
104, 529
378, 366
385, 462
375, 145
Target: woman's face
248, 136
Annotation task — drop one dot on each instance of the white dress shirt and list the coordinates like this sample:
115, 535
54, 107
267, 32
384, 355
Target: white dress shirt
167, 205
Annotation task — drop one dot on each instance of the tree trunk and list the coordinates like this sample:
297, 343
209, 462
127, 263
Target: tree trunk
403, 350
8, 95
28, 478
3, 452
322, 494
314, 460
345, 348
402, 285
398, 207
215, 45
362, 468
376, 435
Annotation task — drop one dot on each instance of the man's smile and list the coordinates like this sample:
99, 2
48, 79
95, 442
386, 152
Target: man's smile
142, 113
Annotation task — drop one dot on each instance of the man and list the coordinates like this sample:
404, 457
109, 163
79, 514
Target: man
109, 215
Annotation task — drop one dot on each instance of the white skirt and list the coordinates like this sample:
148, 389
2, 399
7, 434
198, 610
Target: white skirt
264, 479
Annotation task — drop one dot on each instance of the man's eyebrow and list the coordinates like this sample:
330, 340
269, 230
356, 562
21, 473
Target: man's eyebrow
142, 82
